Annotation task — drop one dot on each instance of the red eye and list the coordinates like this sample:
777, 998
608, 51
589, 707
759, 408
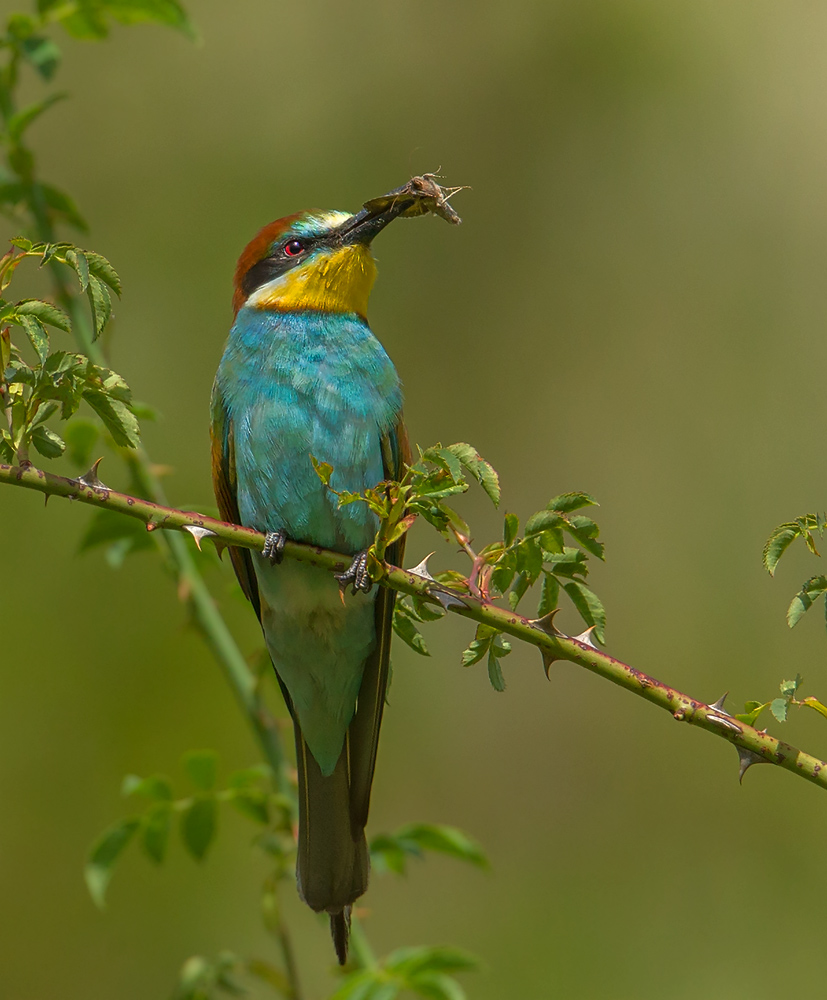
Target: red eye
294, 248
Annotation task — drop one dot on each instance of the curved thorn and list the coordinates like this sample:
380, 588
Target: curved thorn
447, 598
718, 705
548, 659
746, 758
546, 623
422, 568
586, 637
91, 477
198, 533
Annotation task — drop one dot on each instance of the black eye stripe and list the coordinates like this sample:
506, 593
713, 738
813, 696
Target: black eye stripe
280, 261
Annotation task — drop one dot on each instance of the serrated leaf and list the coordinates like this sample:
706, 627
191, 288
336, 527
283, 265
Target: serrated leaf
76, 259
119, 420
198, 825
778, 707
568, 502
202, 768
777, 544
45, 312
511, 527
789, 688
495, 673
442, 839
549, 595
589, 606
812, 590
49, 444
752, 709
156, 827
475, 651
100, 304
103, 856
409, 633
36, 332
481, 470
102, 269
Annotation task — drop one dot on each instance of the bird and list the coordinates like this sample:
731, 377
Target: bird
303, 378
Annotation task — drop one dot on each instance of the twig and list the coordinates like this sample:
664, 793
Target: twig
753, 746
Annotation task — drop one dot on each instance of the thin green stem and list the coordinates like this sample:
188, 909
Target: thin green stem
552, 644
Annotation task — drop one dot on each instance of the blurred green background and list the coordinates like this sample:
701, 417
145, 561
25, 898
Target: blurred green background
634, 306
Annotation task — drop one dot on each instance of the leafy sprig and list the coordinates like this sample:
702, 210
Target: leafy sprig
55, 383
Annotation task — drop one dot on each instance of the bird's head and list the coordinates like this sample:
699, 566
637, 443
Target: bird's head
322, 260
312, 260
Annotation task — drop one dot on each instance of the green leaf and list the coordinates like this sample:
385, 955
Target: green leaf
358, 986
49, 444
198, 825
408, 632
475, 651
510, 529
157, 823
104, 854
100, 304
752, 709
169, 13
816, 705
42, 54
324, 470
549, 595
76, 259
436, 986
495, 673
101, 268
585, 531
777, 544
253, 803
36, 332
202, 768
157, 787
60, 203
812, 590
412, 961
588, 605
789, 688
447, 840
568, 502
119, 420
18, 123
45, 312
484, 473
778, 707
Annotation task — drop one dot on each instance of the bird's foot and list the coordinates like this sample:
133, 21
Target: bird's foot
274, 546
356, 575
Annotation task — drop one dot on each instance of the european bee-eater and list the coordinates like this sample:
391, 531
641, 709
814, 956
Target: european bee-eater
302, 374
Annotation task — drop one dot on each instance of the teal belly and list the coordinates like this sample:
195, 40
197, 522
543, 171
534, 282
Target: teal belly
296, 386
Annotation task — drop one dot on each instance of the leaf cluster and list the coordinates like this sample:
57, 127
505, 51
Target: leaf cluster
425, 972
56, 382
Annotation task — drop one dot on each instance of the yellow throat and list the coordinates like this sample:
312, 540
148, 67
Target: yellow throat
335, 281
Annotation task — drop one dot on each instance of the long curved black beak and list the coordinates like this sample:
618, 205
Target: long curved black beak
418, 197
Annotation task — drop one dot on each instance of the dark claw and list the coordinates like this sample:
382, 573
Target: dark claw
356, 574
274, 546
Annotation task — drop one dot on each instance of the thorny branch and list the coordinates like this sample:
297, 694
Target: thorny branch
753, 746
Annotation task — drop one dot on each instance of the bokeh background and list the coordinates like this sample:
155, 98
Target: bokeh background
634, 306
